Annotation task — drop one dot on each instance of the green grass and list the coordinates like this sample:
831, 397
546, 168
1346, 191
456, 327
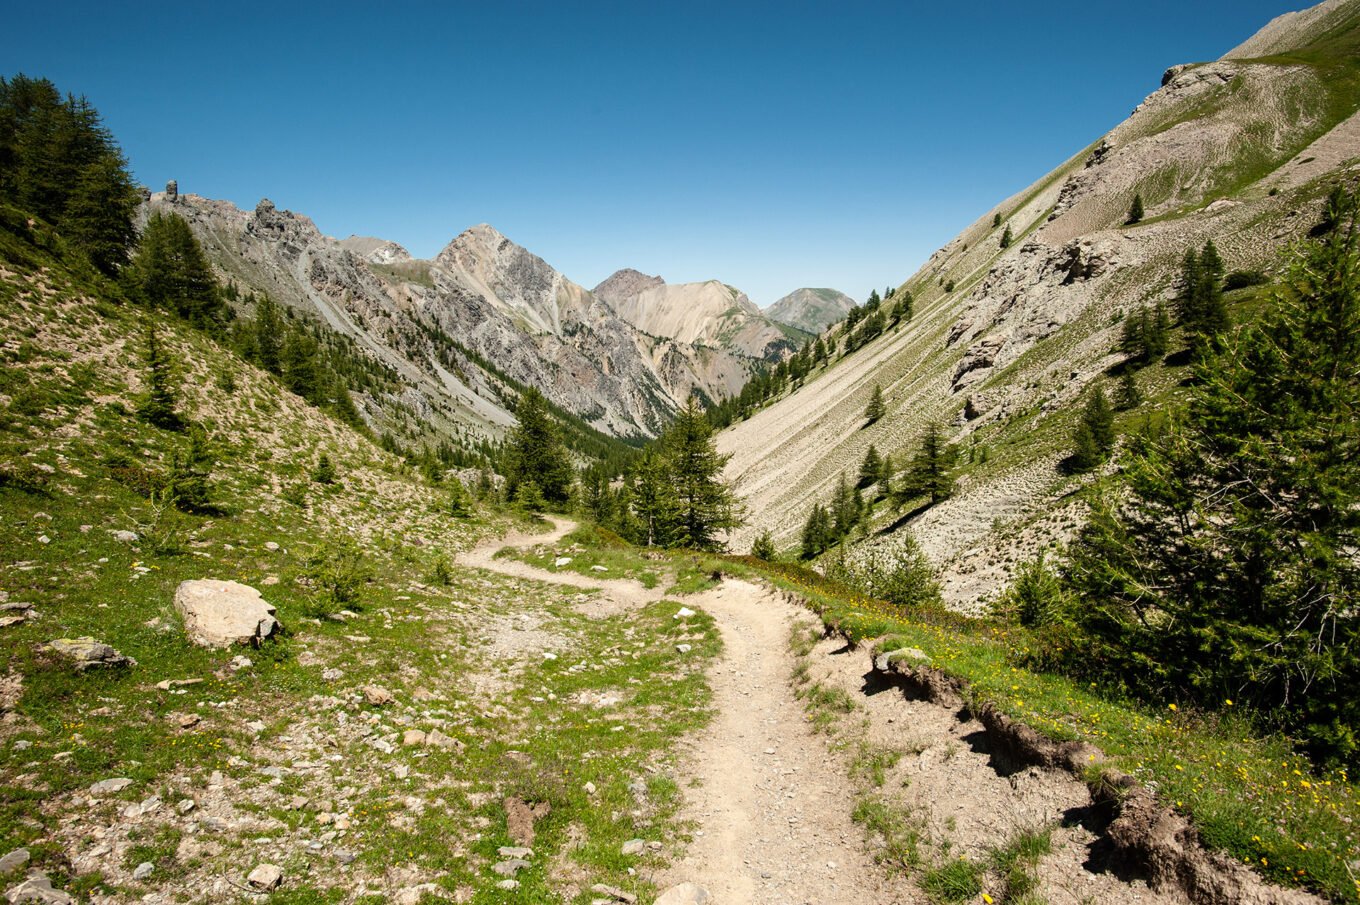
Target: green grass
956, 881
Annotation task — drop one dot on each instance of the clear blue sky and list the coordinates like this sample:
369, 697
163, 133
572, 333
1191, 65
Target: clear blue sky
770, 146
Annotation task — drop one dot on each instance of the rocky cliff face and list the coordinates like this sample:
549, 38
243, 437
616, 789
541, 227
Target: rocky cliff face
461, 329
811, 310
1238, 151
712, 315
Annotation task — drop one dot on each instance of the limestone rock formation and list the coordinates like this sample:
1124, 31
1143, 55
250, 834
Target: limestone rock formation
222, 613
87, 653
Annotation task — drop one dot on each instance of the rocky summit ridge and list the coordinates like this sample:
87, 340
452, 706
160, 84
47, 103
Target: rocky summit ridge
465, 331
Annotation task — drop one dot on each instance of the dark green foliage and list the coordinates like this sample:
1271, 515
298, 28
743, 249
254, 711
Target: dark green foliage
1129, 396
529, 497
903, 577
949, 286
704, 504
903, 303
1135, 211
874, 301
817, 532
1094, 437
59, 163
1006, 238
1146, 335
158, 401
763, 548
535, 454
1200, 304
299, 363
268, 335
871, 469
996, 220
336, 574
1224, 566
931, 471
190, 486
457, 503
324, 470
1241, 279
875, 409
1035, 597
171, 272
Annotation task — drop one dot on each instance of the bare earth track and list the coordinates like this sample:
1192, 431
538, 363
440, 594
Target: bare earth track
770, 799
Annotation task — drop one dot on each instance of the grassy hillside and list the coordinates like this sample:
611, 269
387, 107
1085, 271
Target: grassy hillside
297, 752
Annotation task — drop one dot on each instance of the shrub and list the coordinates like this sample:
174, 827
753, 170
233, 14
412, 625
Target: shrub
1241, 279
336, 576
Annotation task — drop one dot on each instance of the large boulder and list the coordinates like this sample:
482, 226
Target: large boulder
223, 613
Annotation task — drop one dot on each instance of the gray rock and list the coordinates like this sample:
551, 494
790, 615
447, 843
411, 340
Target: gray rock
172, 191
618, 895
436, 739
13, 861
508, 884
344, 856
378, 696
634, 847
266, 876
515, 851
143, 870
511, 867
110, 786
125, 537
685, 894
37, 888
222, 613
87, 653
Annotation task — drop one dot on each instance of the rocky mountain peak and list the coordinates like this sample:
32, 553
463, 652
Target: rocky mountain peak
809, 309
375, 251
624, 285
293, 232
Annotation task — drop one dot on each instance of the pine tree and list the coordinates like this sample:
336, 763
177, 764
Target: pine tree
158, 403
1129, 396
535, 452
871, 468
816, 532
931, 470
324, 471
268, 340
191, 472
706, 505
98, 214
301, 372
996, 220
1226, 567
1006, 237
1135, 211
872, 304
170, 271
763, 548
1094, 437
654, 501
528, 497
875, 409
457, 504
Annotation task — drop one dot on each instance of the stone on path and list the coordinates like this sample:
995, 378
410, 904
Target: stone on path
685, 894
87, 653
222, 613
266, 876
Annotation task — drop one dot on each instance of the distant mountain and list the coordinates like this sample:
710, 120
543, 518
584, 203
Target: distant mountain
811, 310
710, 315
465, 331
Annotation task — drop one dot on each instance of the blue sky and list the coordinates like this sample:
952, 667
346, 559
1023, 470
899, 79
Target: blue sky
770, 146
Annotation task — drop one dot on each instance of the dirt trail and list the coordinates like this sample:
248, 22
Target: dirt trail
772, 818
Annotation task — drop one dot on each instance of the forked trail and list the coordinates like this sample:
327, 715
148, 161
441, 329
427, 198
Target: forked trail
771, 800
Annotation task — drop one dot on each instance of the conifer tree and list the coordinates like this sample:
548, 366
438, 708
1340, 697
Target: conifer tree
1226, 567
268, 342
457, 504
190, 474
763, 548
535, 451
298, 360
931, 470
875, 409
705, 505
1129, 396
1135, 210
170, 271
816, 532
996, 220
324, 471
871, 468
1006, 237
158, 403
1094, 437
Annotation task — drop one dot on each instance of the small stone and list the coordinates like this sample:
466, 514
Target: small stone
344, 856
266, 876
511, 867
189, 720
614, 893
515, 851
562, 561
271, 546
186, 805
634, 847
378, 696
769, 751
684, 613
7, 621
684, 894
683, 648
87, 653
590, 788
44, 539
13, 861
413, 737
330, 674
508, 884
125, 537
241, 662
436, 739
143, 870
110, 786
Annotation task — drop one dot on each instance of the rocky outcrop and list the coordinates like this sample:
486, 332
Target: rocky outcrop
626, 284
87, 653
224, 613
375, 251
